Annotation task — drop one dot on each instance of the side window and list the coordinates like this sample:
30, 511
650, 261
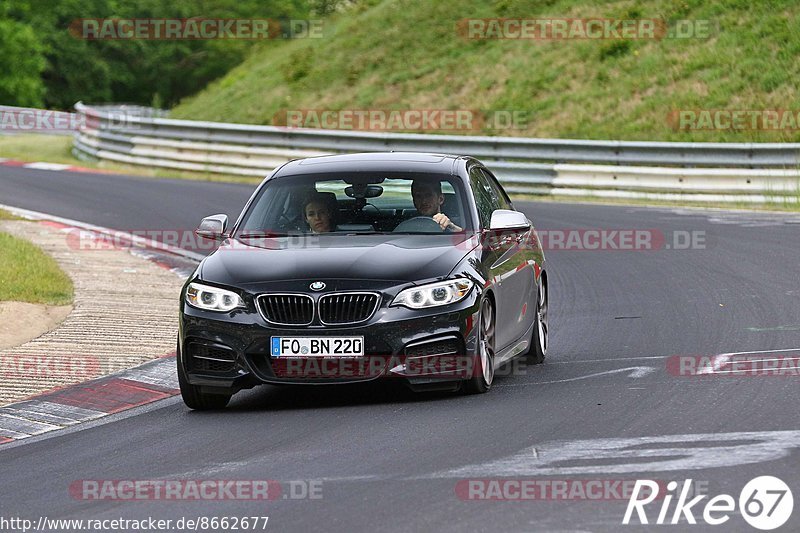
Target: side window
500, 195
484, 197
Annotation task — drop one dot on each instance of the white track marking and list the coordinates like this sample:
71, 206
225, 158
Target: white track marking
634, 372
23, 426
54, 413
716, 364
47, 166
604, 360
750, 371
718, 361
764, 351
637, 454
164, 374
549, 362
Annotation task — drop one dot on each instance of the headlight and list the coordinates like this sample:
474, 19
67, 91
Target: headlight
434, 294
212, 298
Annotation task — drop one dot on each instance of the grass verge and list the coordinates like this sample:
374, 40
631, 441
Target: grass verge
27, 274
5, 215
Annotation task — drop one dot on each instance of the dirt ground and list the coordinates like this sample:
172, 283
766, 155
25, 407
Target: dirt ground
21, 322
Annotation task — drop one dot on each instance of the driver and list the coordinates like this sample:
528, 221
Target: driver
318, 214
428, 200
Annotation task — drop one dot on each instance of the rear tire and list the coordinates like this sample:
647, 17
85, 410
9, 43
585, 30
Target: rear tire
483, 372
194, 397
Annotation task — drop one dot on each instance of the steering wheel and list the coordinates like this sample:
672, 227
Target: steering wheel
420, 224
289, 225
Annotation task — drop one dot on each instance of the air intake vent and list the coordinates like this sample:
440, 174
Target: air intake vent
204, 358
439, 347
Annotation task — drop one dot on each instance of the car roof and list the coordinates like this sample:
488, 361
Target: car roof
373, 162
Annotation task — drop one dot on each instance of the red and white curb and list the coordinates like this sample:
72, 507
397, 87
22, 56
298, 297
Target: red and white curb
84, 402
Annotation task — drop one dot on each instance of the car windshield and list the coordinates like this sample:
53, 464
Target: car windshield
358, 203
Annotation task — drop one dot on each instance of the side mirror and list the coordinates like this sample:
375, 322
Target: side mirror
505, 219
213, 228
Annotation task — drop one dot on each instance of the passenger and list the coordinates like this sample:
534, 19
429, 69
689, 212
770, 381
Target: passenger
428, 200
318, 213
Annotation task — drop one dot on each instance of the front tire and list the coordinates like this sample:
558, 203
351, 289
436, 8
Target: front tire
540, 338
483, 376
194, 397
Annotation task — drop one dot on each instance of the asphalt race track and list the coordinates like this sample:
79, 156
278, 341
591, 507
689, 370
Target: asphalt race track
604, 406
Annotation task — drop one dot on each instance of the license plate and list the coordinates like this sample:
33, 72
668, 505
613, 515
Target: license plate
317, 346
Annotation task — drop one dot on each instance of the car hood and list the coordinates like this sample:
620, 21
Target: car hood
400, 258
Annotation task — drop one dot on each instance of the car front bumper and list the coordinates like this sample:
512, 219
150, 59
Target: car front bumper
231, 351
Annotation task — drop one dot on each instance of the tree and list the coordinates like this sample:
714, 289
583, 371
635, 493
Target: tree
21, 65
124, 70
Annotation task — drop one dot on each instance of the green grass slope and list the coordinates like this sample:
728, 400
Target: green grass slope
405, 54
27, 274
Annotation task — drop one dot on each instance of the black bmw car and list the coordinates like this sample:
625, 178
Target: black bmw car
358, 267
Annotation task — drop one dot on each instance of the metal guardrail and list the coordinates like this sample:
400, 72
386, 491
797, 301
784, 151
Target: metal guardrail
741, 171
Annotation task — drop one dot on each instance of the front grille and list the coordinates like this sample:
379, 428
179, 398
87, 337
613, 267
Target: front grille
287, 309
347, 308
204, 358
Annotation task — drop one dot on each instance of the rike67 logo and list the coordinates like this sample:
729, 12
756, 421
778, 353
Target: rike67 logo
765, 503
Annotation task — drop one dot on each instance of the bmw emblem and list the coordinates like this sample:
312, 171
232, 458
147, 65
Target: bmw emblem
317, 286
